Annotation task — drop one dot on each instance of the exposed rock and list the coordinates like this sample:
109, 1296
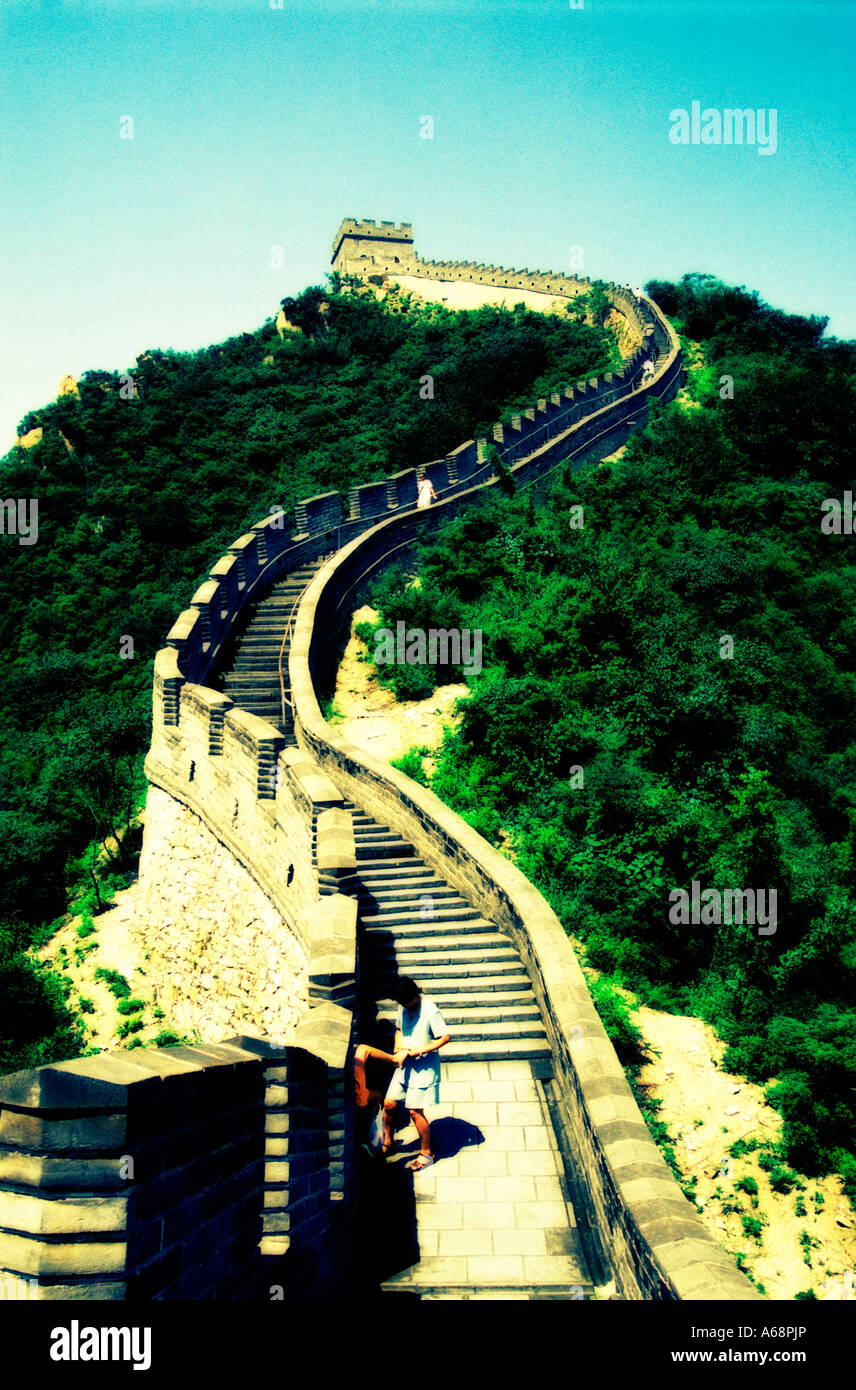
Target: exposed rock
284, 325
26, 441
67, 386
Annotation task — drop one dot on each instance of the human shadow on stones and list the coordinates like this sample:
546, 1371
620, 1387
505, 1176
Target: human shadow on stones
387, 1227
449, 1135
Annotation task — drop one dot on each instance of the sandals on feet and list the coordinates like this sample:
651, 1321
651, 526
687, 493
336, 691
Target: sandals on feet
420, 1161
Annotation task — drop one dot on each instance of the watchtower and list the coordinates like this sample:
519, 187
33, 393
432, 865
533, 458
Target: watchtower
367, 248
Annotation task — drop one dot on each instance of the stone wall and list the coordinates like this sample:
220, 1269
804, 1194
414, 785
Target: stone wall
654, 1242
281, 817
219, 956
259, 799
136, 1176
189, 1173
202, 637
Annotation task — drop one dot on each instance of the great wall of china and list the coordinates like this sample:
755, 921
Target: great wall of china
228, 1169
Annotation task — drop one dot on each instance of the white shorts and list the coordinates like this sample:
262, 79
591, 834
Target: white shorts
415, 1091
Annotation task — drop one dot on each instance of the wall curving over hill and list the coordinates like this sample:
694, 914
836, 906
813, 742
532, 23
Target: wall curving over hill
277, 804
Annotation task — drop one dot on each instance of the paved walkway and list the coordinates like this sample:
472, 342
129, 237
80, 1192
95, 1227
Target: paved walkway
492, 1216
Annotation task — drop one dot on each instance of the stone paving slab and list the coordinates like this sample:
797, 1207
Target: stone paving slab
516, 1070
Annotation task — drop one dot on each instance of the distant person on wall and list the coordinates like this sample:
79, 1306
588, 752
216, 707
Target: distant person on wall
647, 373
427, 495
420, 1034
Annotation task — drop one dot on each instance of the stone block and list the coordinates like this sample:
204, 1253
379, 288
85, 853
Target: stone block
30, 1255
495, 1269
89, 1132
65, 1216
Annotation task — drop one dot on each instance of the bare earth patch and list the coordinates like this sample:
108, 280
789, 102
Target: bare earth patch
707, 1110
368, 713
112, 947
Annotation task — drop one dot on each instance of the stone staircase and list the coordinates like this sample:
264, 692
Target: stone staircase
414, 923
492, 1218
253, 680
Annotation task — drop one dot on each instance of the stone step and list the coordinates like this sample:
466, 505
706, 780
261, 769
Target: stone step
429, 953
376, 850
502, 986
434, 1284
414, 923
246, 672
507, 1030
462, 970
405, 914
428, 926
409, 872
516, 1049
243, 680
254, 680
455, 1017
377, 837
522, 999
269, 618
397, 892
256, 650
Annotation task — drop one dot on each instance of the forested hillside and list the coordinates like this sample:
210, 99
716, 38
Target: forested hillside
141, 482
622, 750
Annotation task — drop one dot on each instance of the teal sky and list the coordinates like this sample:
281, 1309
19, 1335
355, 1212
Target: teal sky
257, 127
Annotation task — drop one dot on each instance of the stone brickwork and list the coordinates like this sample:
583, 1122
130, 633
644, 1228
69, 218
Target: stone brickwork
309, 1104
135, 1175
267, 823
187, 1173
219, 956
368, 247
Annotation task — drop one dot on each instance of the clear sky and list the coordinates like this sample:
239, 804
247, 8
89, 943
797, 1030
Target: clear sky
257, 126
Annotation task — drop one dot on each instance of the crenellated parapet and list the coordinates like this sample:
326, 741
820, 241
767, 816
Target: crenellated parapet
366, 247
216, 1172
199, 639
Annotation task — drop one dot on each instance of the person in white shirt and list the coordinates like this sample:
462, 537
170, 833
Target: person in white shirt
647, 372
427, 495
420, 1033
